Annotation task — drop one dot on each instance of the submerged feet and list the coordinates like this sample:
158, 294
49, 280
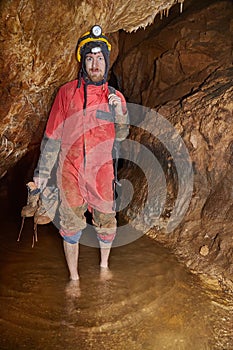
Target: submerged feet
74, 277
105, 273
73, 289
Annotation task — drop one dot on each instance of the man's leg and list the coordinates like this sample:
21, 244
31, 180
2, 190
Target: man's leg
72, 223
71, 250
105, 225
105, 249
71, 253
105, 272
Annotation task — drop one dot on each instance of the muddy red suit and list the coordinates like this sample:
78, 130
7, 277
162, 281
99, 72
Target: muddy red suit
85, 138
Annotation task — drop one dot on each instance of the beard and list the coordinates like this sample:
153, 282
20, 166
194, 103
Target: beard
95, 76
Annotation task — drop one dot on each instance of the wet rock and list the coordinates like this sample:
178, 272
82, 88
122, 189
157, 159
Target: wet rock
204, 250
198, 86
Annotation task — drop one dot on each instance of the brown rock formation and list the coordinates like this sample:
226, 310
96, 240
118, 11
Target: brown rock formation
187, 78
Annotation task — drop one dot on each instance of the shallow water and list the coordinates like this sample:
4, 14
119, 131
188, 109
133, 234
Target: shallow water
150, 301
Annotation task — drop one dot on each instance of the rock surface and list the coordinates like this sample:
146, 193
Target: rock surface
186, 76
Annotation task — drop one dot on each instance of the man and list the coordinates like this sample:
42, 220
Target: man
84, 124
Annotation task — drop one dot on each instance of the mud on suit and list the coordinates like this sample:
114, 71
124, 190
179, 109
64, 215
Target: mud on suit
80, 134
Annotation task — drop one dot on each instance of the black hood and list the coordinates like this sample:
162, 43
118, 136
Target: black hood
87, 49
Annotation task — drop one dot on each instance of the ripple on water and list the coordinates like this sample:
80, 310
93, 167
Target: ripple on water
149, 302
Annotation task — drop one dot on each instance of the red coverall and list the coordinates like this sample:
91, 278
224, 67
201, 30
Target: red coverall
84, 126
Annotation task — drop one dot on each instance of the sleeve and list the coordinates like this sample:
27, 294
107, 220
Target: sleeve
51, 142
49, 151
57, 115
122, 121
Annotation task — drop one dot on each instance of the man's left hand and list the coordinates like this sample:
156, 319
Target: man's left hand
115, 101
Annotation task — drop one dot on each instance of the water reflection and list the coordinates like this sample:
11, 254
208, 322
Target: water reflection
148, 302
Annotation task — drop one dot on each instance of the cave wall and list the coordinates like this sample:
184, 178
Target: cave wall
184, 72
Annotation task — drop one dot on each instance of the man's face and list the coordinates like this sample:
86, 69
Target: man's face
95, 66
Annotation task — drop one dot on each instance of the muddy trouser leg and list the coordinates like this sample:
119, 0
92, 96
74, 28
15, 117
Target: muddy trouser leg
72, 222
105, 226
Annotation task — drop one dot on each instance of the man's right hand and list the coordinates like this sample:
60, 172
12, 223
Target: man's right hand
40, 182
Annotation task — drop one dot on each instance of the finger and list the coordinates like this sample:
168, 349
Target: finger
36, 181
111, 99
111, 95
114, 100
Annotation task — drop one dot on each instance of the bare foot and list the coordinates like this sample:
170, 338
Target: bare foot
104, 265
105, 273
74, 277
73, 289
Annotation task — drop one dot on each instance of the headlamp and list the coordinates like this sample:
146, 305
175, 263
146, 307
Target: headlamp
96, 31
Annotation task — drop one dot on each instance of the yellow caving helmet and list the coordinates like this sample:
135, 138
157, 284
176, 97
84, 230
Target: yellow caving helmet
95, 35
